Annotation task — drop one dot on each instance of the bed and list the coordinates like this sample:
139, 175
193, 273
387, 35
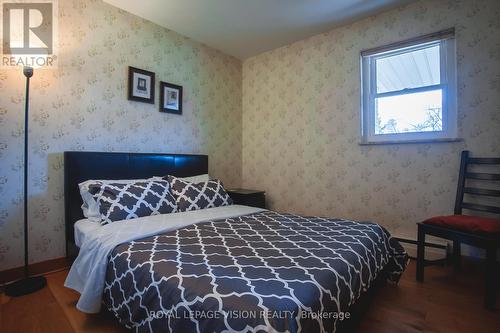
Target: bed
223, 269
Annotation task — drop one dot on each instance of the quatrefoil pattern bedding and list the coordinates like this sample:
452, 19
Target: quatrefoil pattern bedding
124, 201
194, 196
261, 272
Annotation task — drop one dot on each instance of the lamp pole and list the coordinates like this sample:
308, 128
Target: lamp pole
28, 284
28, 72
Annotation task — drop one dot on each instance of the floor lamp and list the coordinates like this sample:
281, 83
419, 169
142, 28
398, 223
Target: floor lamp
27, 284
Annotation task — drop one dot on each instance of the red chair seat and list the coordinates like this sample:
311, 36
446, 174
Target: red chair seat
466, 223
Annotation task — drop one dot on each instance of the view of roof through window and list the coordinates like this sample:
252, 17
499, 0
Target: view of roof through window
408, 95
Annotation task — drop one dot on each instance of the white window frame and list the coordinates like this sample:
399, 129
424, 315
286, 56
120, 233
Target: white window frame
446, 41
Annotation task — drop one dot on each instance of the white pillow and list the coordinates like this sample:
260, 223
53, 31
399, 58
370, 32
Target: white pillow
90, 207
193, 179
197, 179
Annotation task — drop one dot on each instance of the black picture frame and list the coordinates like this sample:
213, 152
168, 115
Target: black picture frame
175, 109
132, 95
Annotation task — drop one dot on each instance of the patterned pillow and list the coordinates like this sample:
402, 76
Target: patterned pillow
193, 196
124, 201
90, 207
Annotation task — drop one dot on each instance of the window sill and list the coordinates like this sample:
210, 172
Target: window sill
397, 142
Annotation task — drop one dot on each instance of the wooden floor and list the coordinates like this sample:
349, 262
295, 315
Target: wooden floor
446, 302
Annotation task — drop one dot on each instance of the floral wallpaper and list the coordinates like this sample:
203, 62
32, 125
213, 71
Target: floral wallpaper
296, 137
82, 105
301, 120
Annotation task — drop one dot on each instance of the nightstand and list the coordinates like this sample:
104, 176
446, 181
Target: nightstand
246, 197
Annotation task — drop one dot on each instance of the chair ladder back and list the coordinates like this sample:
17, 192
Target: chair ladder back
461, 182
465, 174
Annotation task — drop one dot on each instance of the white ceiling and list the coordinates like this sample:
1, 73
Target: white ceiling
244, 28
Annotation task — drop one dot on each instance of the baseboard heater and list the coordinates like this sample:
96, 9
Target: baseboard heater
437, 251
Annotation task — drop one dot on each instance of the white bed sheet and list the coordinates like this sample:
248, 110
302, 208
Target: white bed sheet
88, 272
83, 228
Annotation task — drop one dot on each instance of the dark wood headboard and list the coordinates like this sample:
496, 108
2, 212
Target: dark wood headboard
81, 166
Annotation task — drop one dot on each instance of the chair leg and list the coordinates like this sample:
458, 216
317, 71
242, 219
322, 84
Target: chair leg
456, 255
490, 275
420, 254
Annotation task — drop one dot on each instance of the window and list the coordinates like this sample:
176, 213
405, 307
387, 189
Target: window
409, 90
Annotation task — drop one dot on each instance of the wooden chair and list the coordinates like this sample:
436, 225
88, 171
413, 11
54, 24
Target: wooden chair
477, 231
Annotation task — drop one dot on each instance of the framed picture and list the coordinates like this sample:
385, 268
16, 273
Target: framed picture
170, 98
141, 85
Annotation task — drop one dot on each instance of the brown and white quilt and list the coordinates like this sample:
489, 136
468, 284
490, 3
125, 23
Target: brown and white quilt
263, 272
